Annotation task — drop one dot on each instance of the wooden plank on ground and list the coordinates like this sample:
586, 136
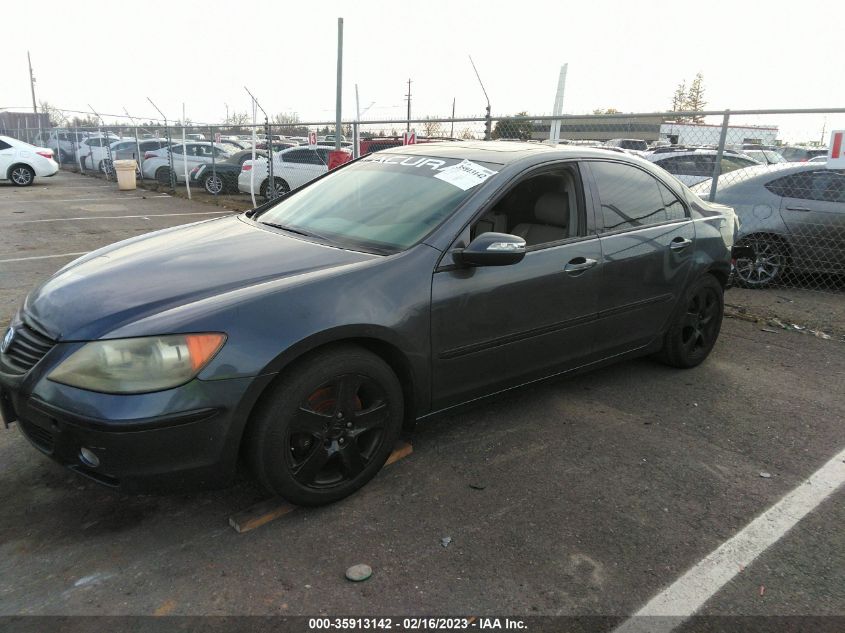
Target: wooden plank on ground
275, 507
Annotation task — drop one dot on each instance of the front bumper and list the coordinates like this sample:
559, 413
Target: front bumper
193, 445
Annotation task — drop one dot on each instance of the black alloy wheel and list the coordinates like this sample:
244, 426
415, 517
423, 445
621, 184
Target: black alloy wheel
696, 326
327, 426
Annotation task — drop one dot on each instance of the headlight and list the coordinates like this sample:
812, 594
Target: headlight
138, 365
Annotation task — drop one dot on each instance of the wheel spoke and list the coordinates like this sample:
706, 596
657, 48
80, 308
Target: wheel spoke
351, 460
347, 394
373, 418
307, 471
310, 422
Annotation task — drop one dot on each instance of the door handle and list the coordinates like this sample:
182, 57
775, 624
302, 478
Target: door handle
579, 265
679, 243
797, 209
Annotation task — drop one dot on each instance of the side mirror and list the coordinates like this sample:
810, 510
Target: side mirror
491, 249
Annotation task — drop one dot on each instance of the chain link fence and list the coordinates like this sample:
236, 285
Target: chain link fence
768, 165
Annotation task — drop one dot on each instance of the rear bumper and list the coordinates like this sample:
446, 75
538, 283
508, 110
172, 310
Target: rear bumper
190, 448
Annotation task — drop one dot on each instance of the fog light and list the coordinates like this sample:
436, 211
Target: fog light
88, 458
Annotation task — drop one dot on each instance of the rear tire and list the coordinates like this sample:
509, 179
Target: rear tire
282, 188
22, 175
163, 176
695, 328
327, 426
768, 266
213, 184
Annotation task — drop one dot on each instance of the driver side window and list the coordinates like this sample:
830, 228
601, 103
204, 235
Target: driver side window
542, 209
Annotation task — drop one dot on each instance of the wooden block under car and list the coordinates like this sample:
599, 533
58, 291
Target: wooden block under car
275, 507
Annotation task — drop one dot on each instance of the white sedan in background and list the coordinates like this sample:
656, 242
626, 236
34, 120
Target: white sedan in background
157, 165
21, 162
292, 168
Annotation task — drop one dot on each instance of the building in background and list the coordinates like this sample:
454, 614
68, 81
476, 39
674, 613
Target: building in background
705, 134
14, 123
651, 129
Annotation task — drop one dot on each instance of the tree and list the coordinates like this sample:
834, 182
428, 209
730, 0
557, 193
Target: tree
467, 134
514, 127
56, 116
695, 97
679, 100
607, 111
432, 128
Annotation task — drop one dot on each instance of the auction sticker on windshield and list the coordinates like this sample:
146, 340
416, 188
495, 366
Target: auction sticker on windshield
465, 174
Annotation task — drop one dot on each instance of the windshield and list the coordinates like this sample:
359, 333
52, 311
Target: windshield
383, 203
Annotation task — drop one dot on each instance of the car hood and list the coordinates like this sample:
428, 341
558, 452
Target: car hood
131, 280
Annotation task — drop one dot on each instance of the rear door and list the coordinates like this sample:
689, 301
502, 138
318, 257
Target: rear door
301, 166
647, 241
813, 209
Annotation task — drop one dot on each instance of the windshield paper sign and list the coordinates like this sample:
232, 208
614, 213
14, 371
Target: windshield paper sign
464, 175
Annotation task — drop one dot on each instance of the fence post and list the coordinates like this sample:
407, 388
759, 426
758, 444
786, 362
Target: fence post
488, 125
356, 140
213, 161
717, 168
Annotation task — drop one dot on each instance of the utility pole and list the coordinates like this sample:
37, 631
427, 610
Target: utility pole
227, 112
32, 89
452, 132
488, 126
408, 99
337, 129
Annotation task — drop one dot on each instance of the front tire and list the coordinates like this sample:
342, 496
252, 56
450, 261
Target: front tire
22, 175
696, 327
327, 427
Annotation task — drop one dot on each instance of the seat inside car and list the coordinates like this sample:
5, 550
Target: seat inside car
551, 220
541, 208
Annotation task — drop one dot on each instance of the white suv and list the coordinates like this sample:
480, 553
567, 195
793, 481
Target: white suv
21, 162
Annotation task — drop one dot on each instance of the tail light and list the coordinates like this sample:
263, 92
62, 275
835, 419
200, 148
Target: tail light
246, 167
48, 153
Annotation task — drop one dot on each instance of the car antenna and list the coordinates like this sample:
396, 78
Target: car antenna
489, 123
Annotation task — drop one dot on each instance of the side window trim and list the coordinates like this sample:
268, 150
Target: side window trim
599, 217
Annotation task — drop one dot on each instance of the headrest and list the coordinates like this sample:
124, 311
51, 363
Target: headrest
552, 208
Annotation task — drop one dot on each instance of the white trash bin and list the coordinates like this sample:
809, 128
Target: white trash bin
125, 174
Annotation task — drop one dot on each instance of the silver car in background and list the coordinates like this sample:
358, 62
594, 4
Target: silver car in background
792, 215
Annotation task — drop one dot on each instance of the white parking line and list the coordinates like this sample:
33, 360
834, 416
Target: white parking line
26, 259
163, 195
121, 217
685, 596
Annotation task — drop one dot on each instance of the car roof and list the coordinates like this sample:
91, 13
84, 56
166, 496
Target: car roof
776, 170
503, 152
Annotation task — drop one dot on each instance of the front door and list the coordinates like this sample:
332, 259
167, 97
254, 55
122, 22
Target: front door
496, 327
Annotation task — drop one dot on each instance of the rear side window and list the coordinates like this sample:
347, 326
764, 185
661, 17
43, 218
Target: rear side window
4, 145
732, 163
631, 198
824, 185
685, 166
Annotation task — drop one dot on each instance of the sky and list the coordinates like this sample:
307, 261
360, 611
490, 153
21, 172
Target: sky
624, 55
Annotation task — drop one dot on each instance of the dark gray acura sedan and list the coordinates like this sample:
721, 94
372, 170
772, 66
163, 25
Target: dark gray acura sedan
301, 337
